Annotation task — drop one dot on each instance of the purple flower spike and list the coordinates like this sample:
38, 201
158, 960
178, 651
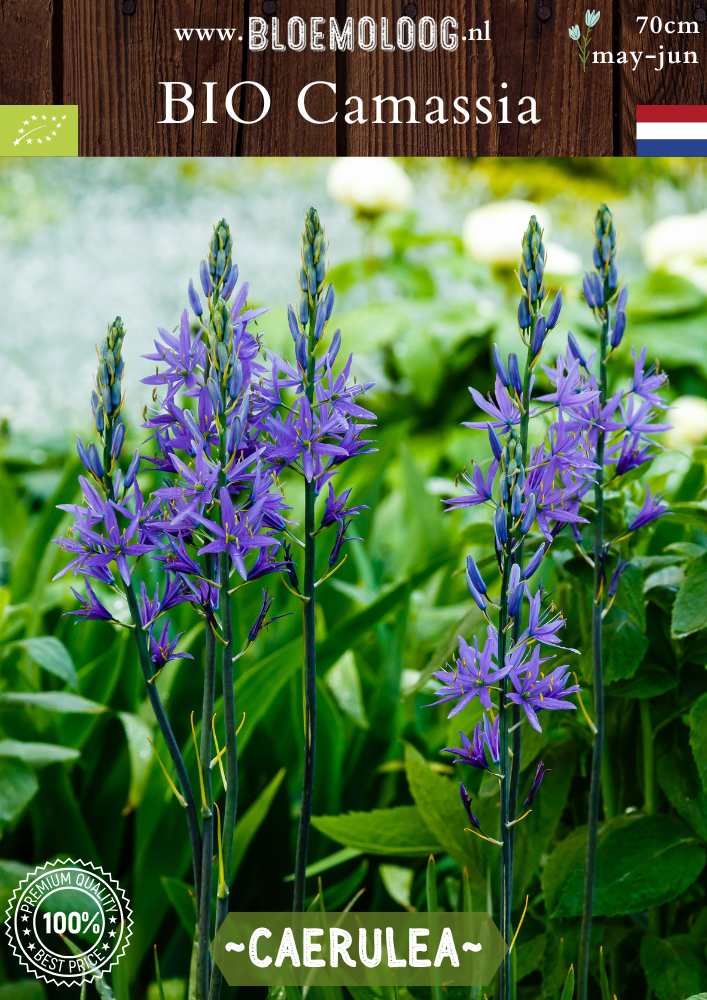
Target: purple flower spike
471, 752
540, 773
473, 576
194, 300
514, 373
621, 567
498, 364
466, 802
474, 674
539, 334
260, 623
336, 509
554, 313
534, 562
618, 330
91, 607
576, 350
652, 509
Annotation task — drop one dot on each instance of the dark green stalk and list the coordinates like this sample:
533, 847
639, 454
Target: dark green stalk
518, 622
229, 711
207, 845
168, 736
230, 812
648, 757
505, 836
598, 682
310, 662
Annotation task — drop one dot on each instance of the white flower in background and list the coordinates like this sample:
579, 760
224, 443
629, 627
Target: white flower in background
493, 234
370, 185
682, 236
561, 262
591, 18
574, 32
679, 245
688, 417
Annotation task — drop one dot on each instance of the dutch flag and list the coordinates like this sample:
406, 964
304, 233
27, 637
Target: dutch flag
671, 130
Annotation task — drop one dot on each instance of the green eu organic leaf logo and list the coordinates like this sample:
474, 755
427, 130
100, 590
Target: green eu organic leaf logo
39, 130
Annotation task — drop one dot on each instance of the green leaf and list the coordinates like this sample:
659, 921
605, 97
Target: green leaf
37, 754
661, 293
23, 989
137, 736
345, 685
690, 608
18, 786
51, 655
172, 989
181, 896
603, 978
330, 861
11, 872
398, 883
625, 642
672, 966
53, 701
568, 988
698, 737
642, 861
677, 776
251, 821
399, 830
437, 799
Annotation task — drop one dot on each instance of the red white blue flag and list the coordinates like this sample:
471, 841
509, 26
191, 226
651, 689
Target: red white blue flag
671, 130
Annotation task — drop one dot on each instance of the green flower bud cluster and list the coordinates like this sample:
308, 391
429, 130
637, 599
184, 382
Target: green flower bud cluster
532, 265
313, 269
605, 248
107, 399
220, 254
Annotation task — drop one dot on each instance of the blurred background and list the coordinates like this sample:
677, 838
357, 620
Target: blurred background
423, 255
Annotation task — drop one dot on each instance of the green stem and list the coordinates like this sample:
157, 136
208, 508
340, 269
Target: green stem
310, 664
585, 936
608, 788
230, 811
207, 845
505, 765
518, 623
648, 757
167, 734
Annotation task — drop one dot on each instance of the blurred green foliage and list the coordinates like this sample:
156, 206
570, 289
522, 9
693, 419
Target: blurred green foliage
78, 775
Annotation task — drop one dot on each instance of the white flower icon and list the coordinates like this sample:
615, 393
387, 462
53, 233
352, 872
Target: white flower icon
591, 19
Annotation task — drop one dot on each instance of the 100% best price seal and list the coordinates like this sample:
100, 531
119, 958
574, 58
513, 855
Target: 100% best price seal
68, 922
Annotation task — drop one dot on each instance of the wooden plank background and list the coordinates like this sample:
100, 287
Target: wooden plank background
108, 57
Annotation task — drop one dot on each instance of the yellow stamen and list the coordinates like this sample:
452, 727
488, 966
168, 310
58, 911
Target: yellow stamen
177, 794
222, 887
583, 710
482, 836
219, 753
202, 786
520, 924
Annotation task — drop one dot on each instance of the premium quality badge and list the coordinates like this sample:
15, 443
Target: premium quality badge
68, 922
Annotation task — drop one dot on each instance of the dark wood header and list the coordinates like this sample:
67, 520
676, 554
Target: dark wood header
109, 56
